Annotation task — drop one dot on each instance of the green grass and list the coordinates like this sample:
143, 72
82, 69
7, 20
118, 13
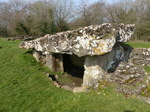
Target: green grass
147, 69
139, 44
24, 87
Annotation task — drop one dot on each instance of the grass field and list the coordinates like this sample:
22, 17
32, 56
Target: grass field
139, 44
24, 87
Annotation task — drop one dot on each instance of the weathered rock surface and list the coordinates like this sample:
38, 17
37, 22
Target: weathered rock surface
125, 33
92, 40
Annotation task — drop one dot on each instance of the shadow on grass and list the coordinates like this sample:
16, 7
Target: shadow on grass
29, 52
128, 111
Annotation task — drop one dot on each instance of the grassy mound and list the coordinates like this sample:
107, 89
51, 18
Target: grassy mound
24, 87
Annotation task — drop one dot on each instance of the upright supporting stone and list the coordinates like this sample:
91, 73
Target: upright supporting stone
55, 62
93, 71
39, 57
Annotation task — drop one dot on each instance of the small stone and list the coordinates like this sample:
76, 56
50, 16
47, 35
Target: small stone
74, 99
56, 76
66, 87
47, 74
56, 84
124, 70
79, 89
131, 64
74, 84
148, 59
149, 78
137, 74
119, 70
143, 86
50, 79
98, 93
147, 81
120, 65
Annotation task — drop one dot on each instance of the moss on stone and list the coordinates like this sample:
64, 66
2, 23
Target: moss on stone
146, 91
107, 36
147, 69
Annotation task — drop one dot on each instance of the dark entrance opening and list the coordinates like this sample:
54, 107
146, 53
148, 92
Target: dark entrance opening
74, 65
74, 70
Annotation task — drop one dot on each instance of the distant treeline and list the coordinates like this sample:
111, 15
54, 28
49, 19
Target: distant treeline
21, 18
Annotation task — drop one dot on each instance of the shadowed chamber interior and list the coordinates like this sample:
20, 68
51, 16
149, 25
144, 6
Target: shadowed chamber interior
119, 54
127, 51
74, 65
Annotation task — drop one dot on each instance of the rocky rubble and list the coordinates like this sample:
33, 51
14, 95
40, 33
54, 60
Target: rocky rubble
131, 76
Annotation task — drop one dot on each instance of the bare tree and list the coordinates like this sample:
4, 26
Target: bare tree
141, 7
89, 14
5, 14
97, 11
62, 13
84, 13
120, 12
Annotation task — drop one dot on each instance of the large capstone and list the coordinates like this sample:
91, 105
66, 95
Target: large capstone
101, 45
92, 40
